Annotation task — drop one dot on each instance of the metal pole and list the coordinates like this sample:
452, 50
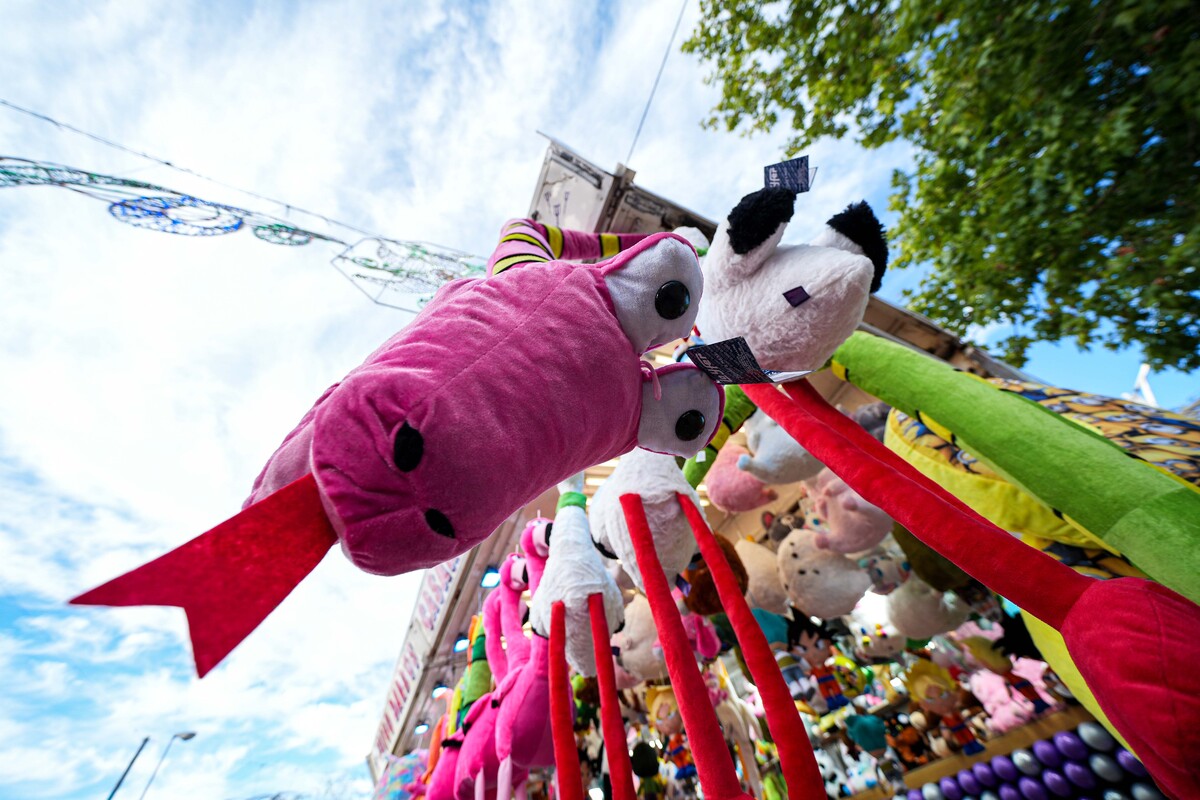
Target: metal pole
121, 779
159, 764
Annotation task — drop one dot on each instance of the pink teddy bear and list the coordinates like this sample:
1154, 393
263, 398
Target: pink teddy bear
732, 489
853, 524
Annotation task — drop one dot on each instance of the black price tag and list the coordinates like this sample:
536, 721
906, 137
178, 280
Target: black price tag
793, 175
731, 362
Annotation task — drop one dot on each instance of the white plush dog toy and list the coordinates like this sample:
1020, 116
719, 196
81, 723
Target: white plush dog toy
795, 304
658, 479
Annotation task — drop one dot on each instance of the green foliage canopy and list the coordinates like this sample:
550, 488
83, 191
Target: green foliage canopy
1055, 184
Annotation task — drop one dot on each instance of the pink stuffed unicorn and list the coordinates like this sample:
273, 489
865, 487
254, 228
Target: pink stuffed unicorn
733, 489
421, 453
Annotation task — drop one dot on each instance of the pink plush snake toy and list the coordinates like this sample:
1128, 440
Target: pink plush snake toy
426, 448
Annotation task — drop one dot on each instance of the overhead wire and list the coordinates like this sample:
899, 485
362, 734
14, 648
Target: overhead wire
657, 78
289, 207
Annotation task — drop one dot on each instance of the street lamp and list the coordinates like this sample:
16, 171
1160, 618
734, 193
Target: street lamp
121, 779
182, 736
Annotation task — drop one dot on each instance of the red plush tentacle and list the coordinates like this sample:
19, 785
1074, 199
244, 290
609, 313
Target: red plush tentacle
714, 765
800, 771
620, 769
1040, 585
562, 721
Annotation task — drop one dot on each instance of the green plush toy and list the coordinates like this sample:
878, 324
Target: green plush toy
1136, 509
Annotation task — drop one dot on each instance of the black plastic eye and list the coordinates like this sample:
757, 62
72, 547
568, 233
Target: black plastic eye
689, 425
407, 448
672, 300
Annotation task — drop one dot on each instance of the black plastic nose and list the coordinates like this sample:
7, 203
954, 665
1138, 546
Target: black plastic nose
439, 523
407, 448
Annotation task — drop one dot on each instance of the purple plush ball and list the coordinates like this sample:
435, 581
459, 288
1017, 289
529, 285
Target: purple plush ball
1056, 783
1047, 753
915, 794
1096, 737
969, 783
950, 789
1070, 746
1106, 768
1032, 790
1146, 791
1129, 763
984, 774
1005, 769
1009, 792
1079, 775
1024, 761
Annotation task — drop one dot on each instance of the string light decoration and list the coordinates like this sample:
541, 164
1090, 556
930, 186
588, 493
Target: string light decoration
389, 272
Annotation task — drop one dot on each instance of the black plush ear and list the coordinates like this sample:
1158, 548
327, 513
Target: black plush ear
859, 224
757, 216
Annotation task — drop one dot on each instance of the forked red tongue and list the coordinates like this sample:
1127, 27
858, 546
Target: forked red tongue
229, 579
1134, 641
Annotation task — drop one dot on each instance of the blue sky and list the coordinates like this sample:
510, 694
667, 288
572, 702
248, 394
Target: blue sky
146, 378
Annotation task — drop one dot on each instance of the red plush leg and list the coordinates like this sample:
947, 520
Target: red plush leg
714, 765
931, 513
567, 773
229, 579
800, 771
620, 769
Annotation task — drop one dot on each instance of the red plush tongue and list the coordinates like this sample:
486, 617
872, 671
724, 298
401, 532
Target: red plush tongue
1135, 642
620, 769
229, 579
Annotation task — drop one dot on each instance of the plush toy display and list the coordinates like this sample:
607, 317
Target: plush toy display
658, 480
764, 589
701, 597
775, 457
887, 568
814, 643
574, 572
793, 305
776, 528
732, 489
920, 611
1153, 700
637, 643
854, 524
820, 582
934, 690
399, 461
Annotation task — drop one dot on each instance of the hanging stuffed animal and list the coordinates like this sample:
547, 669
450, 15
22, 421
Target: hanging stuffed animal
733, 489
814, 643
793, 305
658, 480
416, 457
574, 572
854, 525
822, 583
637, 643
937, 693
920, 611
701, 596
775, 457
764, 590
